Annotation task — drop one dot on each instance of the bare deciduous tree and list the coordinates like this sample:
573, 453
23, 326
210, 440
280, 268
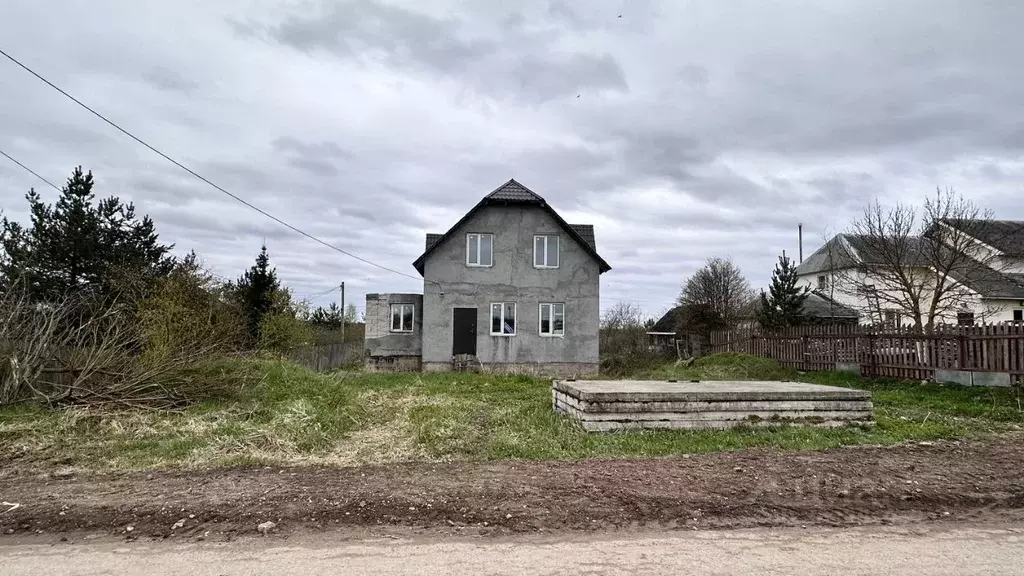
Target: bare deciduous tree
720, 286
923, 264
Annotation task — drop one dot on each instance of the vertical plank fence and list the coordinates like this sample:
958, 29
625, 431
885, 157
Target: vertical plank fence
890, 352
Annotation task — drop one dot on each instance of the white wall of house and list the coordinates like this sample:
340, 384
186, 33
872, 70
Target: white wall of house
984, 310
1001, 310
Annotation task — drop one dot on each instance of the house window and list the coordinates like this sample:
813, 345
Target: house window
401, 317
479, 249
545, 251
552, 319
503, 319
1018, 315
893, 318
822, 282
965, 318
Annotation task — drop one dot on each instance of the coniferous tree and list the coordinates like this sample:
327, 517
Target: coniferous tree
254, 292
78, 243
783, 305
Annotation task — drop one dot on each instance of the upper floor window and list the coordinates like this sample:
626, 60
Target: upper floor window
545, 251
401, 317
552, 319
503, 319
479, 249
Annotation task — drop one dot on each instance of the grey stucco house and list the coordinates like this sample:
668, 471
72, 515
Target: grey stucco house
511, 287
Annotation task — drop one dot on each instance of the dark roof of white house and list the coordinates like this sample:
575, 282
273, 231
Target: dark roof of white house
851, 250
1007, 236
511, 193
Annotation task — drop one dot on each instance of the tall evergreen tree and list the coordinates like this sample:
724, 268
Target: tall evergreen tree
782, 306
255, 291
81, 243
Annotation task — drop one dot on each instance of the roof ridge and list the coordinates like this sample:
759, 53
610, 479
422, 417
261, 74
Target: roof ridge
514, 190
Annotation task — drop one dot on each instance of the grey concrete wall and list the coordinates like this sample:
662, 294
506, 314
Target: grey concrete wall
512, 278
380, 341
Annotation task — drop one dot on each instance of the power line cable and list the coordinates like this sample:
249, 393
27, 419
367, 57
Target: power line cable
199, 176
324, 293
30, 171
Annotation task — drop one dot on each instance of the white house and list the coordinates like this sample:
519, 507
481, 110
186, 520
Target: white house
986, 283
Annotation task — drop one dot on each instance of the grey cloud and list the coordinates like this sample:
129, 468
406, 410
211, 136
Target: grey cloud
525, 66
693, 75
549, 76
166, 79
393, 119
318, 149
318, 158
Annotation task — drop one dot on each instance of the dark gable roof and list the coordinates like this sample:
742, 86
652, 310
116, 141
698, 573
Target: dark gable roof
586, 231
818, 305
511, 193
432, 239
669, 323
1007, 236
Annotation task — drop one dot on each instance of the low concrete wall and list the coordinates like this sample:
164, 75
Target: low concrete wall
548, 369
961, 377
848, 367
969, 378
394, 364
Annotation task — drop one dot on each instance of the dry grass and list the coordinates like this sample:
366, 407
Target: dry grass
289, 415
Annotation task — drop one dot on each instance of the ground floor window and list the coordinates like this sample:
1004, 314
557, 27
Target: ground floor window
401, 317
552, 319
503, 319
965, 318
1018, 315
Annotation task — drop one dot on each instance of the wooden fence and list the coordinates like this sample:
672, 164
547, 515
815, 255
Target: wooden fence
885, 352
327, 356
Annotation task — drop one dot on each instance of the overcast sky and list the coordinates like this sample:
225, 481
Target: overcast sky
681, 130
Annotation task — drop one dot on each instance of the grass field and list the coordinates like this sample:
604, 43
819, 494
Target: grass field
284, 414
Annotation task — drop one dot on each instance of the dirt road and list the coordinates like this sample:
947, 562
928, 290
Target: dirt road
875, 551
976, 481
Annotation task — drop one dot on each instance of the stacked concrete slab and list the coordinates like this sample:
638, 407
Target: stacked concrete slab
631, 404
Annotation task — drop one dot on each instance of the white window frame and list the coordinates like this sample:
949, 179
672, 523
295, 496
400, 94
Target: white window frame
479, 236
515, 318
558, 250
551, 320
402, 329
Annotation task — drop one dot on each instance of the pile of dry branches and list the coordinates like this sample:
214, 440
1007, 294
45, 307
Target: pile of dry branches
80, 349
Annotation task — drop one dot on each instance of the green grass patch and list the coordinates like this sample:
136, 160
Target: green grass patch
270, 412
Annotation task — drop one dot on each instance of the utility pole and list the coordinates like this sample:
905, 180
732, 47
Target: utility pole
800, 240
342, 311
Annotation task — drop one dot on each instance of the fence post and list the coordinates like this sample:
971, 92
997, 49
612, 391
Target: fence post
961, 345
871, 353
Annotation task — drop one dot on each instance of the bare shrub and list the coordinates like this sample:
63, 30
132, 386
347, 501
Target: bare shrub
623, 341
84, 349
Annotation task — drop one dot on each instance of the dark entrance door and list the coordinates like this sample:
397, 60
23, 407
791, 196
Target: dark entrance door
464, 331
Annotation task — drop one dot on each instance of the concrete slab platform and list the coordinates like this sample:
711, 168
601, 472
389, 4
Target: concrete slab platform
608, 405
704, 390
